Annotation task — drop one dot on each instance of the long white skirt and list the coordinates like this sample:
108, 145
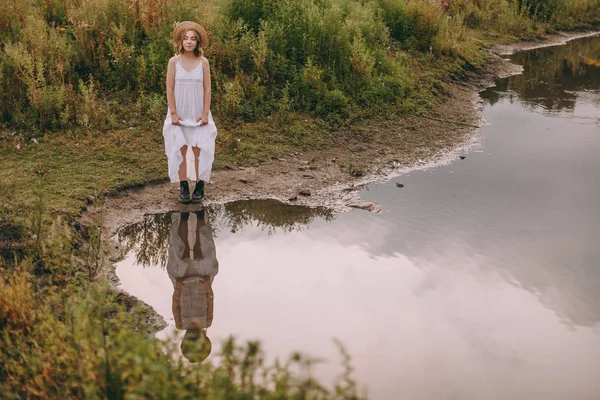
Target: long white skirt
202, 137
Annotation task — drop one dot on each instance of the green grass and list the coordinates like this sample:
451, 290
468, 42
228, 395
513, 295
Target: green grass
76, 170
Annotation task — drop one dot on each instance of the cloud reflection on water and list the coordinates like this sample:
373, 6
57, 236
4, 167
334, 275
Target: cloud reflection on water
438, 326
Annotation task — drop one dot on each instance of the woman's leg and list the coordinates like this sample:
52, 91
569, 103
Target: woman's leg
198, 194
196, 151
183, 165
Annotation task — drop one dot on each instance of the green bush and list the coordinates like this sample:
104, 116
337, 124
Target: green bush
384, 95
413, 23
257, 48
334, 107
540, 9
88, 344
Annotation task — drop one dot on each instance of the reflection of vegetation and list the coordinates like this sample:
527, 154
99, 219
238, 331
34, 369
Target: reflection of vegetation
150, 236
267, 214
552, 75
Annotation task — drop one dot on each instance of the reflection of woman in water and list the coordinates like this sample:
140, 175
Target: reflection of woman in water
192, 265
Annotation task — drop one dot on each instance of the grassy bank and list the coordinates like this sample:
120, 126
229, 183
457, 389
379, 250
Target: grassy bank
82, 82
82, 103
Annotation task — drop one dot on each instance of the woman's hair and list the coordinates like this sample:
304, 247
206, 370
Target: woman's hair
198, 51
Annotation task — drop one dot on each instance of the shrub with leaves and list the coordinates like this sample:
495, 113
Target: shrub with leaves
85, 342
61, 59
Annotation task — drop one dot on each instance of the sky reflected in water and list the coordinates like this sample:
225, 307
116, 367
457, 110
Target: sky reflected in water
479, 280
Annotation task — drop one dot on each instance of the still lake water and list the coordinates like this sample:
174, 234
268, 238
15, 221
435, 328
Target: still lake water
480, 279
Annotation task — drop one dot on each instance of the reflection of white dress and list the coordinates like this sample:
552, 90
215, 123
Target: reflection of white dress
195, 276
189, 101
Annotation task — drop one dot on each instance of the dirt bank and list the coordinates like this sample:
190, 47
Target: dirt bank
330, 175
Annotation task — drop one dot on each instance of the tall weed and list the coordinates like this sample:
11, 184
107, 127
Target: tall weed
86, 343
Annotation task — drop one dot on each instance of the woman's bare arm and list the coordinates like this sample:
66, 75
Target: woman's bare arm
207, 91
171, 90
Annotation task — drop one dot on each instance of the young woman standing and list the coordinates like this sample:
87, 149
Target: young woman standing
189, 130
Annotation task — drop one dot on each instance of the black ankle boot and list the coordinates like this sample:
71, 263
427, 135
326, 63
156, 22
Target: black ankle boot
198, 194
184, 192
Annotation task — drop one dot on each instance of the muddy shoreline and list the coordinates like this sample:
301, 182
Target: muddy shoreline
327, 176
331, 175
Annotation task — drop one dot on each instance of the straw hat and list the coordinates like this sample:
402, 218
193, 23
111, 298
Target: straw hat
185, 26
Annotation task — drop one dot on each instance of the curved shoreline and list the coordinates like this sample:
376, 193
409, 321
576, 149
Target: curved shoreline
559, 39
379, 152
385, 151
382, 151
376, 153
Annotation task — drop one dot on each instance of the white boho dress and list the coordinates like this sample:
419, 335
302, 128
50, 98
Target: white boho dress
195, 276
189, 101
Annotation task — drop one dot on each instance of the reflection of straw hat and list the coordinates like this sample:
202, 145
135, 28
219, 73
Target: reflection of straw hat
185, 26
195, 345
